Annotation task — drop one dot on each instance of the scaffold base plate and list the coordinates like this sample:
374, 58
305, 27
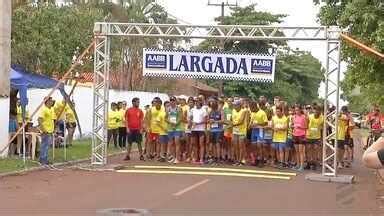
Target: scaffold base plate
346, 179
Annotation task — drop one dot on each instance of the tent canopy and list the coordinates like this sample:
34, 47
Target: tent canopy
22, 79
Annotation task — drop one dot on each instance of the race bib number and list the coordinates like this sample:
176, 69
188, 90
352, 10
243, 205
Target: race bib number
173, 119
313, 130
236, 130
214, 125
229, 117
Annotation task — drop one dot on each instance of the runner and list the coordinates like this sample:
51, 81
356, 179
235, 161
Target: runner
134, 125
239, 132
174, 116
154, 119
114, 120
228, 147
341, 134
299, 131
183, 125
258, 121
280, 126
314, 134
290, 156
198, 119
216, 119
188, 135
122, 107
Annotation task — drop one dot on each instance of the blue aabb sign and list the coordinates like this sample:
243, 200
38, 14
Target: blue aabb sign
155, 60
186, 64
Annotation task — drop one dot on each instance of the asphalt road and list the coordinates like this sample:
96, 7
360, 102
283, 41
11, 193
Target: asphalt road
79, 192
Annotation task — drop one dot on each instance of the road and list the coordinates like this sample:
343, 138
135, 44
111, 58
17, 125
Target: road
79, 192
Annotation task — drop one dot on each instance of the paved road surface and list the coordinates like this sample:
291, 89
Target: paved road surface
78, 192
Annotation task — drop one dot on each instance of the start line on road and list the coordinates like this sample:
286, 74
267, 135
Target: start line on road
206, 171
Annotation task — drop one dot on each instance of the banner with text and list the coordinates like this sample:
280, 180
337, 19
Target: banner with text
200, 65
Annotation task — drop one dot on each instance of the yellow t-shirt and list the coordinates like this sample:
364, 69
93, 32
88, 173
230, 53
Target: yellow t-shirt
122, 117
59, 108
342, 128
70, 115
280, 135
315, 126
236, 117
184, 110
113, 119
19, 116
156, 121
259, 117
48, 116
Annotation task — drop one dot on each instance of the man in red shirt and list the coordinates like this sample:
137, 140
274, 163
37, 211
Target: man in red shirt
375, 120
134, 123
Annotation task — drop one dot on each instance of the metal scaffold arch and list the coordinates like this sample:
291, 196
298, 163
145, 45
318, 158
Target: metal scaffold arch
104, 31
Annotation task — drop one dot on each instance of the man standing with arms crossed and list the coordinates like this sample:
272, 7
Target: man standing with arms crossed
134, 117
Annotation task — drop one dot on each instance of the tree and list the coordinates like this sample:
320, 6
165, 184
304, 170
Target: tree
298, 74
363, 20
45, 38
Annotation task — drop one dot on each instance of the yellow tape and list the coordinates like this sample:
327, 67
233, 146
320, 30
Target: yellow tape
203, 173
216, 169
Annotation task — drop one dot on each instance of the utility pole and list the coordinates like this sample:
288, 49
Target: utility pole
222, 41
5, 65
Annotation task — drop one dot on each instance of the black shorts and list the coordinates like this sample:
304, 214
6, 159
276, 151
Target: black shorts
198, 134
380, 155
340, 144
249, 134
299, 140
134, 136
348, 142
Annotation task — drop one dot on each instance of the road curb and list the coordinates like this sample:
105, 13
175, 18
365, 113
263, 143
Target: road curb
61, 164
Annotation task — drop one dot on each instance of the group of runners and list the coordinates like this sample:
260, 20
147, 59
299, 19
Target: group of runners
236, 131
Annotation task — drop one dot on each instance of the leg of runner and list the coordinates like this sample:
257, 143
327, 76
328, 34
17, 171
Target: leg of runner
202, 146
297, 153
302, 154
177, 149
195, 144
243, 149
340, 153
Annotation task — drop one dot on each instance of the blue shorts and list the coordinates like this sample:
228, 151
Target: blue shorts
257, 135
216, 136
174, 134
279, 146
289, 143
163, 139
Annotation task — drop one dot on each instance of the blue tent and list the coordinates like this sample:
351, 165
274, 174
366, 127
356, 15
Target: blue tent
22, 80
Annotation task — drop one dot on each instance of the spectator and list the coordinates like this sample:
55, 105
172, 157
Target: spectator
47, 126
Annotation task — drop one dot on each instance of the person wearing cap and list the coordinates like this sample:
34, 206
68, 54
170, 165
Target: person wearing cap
47, 127
198, 117
239, 132
342, 128
259, 120
229, 152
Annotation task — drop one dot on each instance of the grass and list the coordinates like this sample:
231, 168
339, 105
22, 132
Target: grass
81, 149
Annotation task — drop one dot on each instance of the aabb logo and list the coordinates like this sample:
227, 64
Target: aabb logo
155, 61
261, 65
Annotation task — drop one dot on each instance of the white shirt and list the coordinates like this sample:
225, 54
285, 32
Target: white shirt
198, 116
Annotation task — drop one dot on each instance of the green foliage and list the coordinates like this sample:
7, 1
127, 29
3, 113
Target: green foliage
46, 37
364, 20
297, 75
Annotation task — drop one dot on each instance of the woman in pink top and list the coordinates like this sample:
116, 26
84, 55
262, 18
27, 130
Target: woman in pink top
299, 129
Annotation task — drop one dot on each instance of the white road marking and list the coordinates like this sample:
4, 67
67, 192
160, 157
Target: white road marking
185, 190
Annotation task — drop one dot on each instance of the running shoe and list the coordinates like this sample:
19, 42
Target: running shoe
176, 161
300, 169
170, 159
162, 160
142, 158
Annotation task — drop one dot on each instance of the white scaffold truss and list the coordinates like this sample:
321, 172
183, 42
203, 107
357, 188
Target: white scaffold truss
104, 31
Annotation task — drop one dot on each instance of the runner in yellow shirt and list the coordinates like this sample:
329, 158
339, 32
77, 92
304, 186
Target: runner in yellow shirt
239, 132
114, 120
280, 132
314, 134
